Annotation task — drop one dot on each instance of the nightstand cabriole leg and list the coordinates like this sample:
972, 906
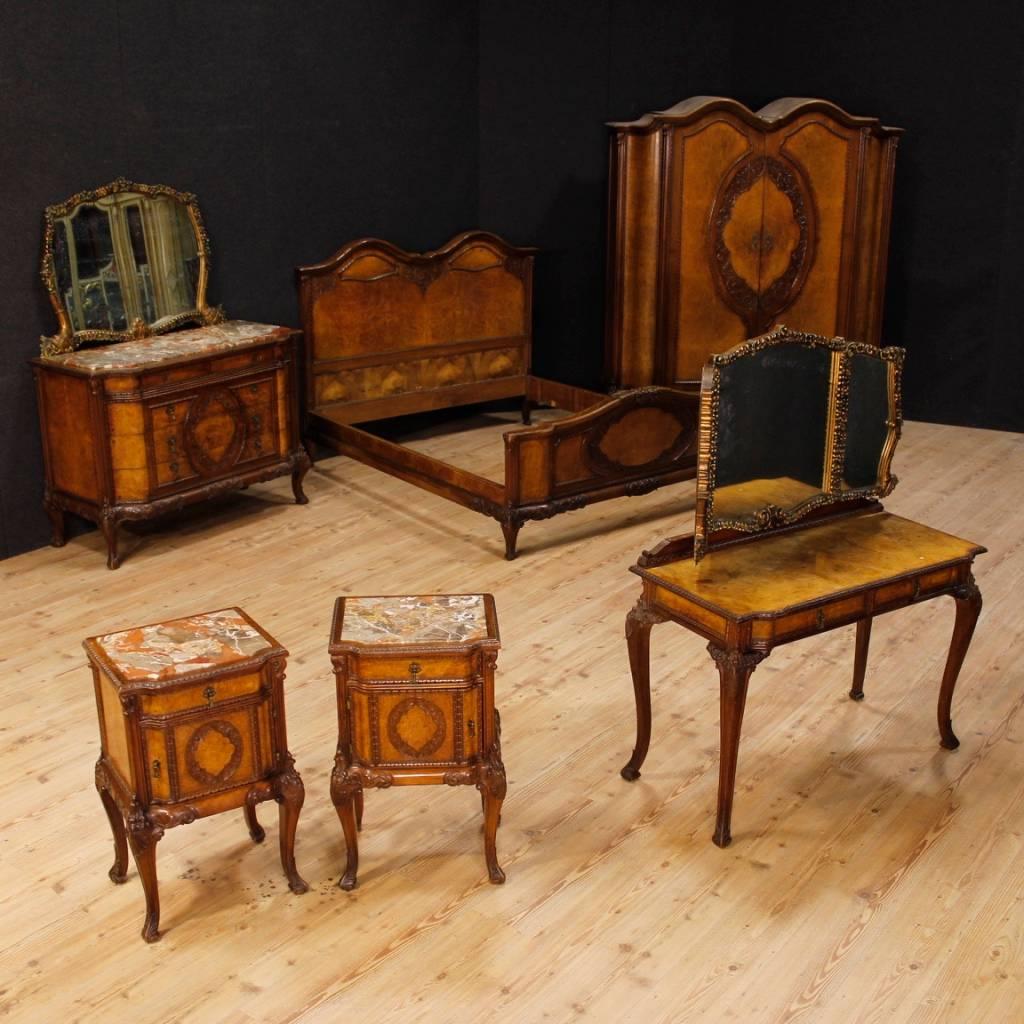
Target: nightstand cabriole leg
493, 787
143, 837
347, 797
251, 821
119, 871
290, 795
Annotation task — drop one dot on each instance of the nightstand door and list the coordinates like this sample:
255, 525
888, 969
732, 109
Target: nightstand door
401, 724
196, 754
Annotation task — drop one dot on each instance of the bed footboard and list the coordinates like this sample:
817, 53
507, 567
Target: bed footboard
627, 445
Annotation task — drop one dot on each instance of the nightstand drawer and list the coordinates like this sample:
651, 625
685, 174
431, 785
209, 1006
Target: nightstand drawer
203, 695
413, 667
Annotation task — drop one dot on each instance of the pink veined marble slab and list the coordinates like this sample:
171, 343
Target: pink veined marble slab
172, 648
128, 355
436, 618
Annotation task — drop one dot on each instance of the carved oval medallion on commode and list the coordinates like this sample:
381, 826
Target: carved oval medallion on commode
214, 431
416, 727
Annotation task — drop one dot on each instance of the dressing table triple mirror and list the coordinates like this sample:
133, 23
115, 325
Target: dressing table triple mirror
796, 440
149, 399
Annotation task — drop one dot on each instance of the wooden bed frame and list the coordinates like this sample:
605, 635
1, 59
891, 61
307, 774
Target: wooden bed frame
390, 333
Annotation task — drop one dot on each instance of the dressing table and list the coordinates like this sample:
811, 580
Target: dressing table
149, 399
797, 434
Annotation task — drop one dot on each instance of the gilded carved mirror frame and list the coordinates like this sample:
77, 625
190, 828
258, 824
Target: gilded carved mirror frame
67, 339
833, 492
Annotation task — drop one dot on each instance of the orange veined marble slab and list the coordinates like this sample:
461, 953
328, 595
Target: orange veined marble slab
162, 348
168, 649
434, 618
777, 572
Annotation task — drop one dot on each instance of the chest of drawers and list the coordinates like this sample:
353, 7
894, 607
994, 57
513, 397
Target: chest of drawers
136, 429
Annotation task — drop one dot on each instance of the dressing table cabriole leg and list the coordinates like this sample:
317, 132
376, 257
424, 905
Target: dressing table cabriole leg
290, 795
639, 621
143, 836
968, 608
734, 669
860, 658
119, 871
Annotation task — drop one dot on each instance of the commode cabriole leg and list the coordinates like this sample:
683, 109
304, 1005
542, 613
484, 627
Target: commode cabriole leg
968, 608
734, 669
860, 658
639, 622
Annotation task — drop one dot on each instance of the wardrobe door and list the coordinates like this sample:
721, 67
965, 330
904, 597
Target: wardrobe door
810, 224
712, 215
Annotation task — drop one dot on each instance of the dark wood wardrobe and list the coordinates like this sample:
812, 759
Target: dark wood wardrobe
723, 222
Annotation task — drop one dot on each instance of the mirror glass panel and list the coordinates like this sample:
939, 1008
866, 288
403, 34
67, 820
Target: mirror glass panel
773, 422
124, 260
790, 423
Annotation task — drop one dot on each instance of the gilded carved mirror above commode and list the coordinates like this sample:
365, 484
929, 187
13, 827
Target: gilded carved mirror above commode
125, 260
790, 424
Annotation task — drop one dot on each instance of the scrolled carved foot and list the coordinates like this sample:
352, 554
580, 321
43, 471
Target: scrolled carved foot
629, 773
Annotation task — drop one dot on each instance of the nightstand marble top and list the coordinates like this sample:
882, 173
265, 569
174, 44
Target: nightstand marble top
435, 618
168, 649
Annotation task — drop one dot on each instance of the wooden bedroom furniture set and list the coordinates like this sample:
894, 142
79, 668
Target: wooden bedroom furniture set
721, 221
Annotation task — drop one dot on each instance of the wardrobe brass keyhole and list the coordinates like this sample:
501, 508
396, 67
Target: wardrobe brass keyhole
156, 769
209, 693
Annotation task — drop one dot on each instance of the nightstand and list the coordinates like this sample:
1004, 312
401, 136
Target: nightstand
191, 724
415, 678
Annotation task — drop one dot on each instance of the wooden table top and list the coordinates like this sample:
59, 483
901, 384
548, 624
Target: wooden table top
787, 570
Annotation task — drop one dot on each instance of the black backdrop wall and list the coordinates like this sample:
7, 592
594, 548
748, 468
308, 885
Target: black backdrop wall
301, 126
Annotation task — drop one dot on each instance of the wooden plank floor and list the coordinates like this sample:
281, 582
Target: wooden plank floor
872, 877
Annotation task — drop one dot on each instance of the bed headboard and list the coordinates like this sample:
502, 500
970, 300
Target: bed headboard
390, 332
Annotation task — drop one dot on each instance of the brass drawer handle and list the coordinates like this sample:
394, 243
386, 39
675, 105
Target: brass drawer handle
172, 443
209, 693
257, 422
171, 412
174, 469
415, 668
156, 768
819, 619
471, 727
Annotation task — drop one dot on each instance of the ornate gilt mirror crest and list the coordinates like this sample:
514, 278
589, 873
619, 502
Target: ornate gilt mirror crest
125, 260
791, 423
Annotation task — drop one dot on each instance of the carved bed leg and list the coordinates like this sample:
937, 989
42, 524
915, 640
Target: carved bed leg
734, 669
252, 822
860, 659
638, 639
526, 410
143, 837
968, 608
510, 527
493, 787
290, 795
109, 526
300, 469
119, 872
56, 514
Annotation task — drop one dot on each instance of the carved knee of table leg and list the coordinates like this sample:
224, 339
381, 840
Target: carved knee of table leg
290, 795
143, 836
968, 608
639, 622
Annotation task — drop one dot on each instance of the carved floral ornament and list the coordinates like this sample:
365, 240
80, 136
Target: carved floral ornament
771, 516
